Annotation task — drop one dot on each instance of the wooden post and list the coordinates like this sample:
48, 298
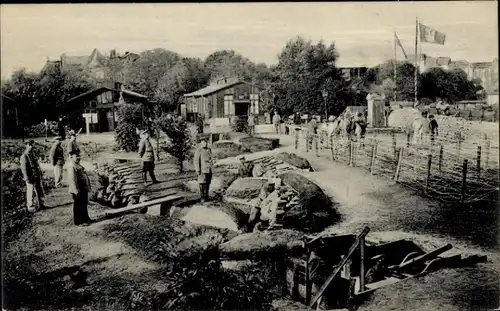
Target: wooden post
440, 164
428, 180
478, 162
316, 138
307, 281
362, 264
487, 155
393, 136
158, 144
408, 139
296, 138
350, 152
459, 146
373, 156
332, 147
398, 166
464, 180
307, 141
394, 151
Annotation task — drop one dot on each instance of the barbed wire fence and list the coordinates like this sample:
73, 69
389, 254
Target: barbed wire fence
450, 168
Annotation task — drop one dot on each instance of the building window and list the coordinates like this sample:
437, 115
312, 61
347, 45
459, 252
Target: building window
254, 103
228, 105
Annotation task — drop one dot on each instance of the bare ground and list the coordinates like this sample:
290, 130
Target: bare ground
117, 268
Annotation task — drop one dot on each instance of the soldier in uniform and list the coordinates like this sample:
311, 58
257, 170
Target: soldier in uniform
203, 166
32, 174
146, 152
57, 159
245, 169
79, 187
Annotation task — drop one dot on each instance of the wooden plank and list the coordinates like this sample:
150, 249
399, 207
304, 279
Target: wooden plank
340, 266
376, 285
169, 198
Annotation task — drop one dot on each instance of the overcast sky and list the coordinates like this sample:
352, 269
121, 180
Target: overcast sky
361, 31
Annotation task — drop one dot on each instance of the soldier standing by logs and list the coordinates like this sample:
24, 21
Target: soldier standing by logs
146, 152
79, 187
57, 159
203, 167
32, 176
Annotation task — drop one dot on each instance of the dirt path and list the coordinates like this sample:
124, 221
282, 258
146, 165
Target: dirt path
393, 212
57, 248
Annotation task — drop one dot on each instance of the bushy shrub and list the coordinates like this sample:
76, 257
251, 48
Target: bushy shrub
179, 141
130, 118
38, 130
200, 123
239, 125
12, 151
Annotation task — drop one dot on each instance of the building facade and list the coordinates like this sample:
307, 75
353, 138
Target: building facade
224, 99
99, 106
98, 66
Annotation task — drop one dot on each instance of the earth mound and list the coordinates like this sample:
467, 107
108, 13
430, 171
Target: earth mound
256, 144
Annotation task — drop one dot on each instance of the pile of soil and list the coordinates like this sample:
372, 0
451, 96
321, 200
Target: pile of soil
256, 144
216, 214
226, 148
314, 212
293, 159
259, 245
245, 188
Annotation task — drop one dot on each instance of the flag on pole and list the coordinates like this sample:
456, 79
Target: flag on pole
429, 35
400, 45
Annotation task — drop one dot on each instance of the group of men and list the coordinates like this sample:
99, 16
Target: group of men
77, 178
425, 127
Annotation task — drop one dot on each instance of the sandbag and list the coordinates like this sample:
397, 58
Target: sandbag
256, 144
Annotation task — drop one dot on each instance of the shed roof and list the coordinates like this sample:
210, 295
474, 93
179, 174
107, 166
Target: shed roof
214, 88
100, 89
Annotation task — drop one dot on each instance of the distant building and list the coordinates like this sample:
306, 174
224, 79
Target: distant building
97, 65
224, 99
352, 68
99, 106
487, 72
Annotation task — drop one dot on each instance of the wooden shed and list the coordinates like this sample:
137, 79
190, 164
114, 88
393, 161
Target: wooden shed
224, 99
99, 106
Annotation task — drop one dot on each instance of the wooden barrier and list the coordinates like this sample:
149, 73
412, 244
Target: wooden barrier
134, 207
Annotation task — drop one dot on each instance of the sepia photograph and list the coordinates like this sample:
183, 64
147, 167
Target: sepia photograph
250, 156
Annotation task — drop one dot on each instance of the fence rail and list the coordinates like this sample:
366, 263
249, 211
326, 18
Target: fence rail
445, 169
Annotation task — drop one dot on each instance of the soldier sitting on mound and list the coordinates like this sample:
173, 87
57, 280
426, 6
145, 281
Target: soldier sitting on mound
245, 169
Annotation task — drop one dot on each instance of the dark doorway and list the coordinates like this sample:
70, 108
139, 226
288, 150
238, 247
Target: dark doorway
102, 119
241, 108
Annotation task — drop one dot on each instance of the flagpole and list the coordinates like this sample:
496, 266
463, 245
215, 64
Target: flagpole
395, 65
416, 60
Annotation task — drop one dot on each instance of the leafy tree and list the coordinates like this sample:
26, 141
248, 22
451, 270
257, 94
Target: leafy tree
23, 88
187, 75
143, 74
228, 63
384, 78
453, 85
302, 71
179, 138
129, 119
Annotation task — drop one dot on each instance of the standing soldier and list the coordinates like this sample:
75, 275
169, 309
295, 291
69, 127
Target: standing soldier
32, 176
312, 128
60, 128
203, 167
79, 187
276, 122
251, 124
57, 159
72, 144
146, 152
